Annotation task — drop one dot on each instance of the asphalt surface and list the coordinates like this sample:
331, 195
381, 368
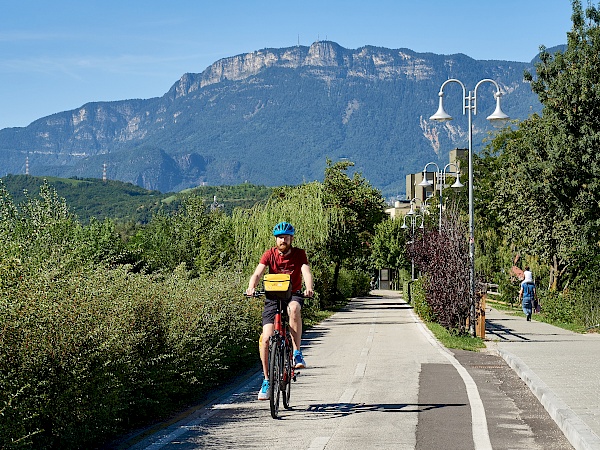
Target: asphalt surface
560, 367
376, 378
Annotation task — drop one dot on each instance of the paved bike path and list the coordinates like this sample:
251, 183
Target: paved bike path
361, 390
561, 368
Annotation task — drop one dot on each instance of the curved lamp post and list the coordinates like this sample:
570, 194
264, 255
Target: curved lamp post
425, 205
414, 219
470, 108
441, 181
413, 204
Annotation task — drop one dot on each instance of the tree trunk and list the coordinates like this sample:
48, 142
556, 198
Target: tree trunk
553, 278
556, 273
336, 277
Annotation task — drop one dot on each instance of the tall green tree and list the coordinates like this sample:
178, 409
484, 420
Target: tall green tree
545, 173
389, 245
193, 235
359, 208
41, 234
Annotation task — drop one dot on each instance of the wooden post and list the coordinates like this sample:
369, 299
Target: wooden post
480, 325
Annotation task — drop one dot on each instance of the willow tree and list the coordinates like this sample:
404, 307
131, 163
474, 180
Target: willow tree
334, 220
302, 205
545, 178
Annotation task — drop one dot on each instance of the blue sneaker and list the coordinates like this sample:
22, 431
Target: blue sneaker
299, 362
263, 394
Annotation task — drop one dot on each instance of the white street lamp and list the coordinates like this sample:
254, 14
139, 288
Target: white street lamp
470, 106
413, 204
441, 181
425, 205
414, 219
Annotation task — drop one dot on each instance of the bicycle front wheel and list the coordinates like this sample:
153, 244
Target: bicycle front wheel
288, 371
275, 371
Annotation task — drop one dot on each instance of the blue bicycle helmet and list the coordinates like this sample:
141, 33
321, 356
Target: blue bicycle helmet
283, 228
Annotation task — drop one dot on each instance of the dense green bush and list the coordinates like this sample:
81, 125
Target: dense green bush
579, 305
509, 291
401, 277
419, 301
354, 283
587, 306
95, 352
406, 291
88, 347
558, 307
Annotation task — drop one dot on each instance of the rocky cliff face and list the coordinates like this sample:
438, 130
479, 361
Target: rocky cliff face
303, 104
367, 62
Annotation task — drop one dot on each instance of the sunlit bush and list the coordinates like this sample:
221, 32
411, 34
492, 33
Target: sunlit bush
92, 353
419, 301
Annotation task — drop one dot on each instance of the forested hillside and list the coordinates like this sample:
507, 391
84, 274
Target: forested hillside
126, 202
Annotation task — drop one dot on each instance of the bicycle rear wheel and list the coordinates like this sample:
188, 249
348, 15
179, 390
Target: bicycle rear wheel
275, 371
288, 370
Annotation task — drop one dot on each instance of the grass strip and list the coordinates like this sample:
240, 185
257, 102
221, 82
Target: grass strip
453, 340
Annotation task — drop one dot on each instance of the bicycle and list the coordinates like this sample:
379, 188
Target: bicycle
281, 366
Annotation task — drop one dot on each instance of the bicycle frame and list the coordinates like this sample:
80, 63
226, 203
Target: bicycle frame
281, 366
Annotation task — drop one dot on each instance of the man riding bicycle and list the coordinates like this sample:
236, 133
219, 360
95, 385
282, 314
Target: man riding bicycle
283, 258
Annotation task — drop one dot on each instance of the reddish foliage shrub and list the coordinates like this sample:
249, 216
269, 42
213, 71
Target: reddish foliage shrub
444, 258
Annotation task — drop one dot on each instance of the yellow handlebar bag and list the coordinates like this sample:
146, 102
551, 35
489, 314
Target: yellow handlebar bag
278, 285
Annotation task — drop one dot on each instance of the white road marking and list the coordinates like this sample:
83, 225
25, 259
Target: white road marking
319, 443
360, 370
347, 396
481, 436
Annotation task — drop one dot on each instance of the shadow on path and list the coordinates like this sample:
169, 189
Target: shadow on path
345, 409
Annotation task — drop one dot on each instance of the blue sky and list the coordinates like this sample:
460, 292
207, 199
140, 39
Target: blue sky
58, 55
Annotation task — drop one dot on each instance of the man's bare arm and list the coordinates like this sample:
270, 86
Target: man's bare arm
308, 280
255, 278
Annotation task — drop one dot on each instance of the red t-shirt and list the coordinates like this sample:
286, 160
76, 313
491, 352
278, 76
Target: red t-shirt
291, 263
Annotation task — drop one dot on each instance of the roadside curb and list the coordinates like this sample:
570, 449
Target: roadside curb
575, 430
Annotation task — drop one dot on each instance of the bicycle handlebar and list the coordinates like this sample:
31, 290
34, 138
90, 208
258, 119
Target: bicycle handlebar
261, 293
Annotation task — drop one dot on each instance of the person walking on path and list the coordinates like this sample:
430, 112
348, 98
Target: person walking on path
283, 258
528, 294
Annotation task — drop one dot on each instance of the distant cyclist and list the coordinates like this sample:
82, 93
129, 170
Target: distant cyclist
283, 258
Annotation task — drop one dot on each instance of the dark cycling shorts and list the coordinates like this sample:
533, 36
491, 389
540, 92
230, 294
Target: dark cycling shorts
268, 315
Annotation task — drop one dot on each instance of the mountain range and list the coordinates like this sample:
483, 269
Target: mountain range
273, 117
